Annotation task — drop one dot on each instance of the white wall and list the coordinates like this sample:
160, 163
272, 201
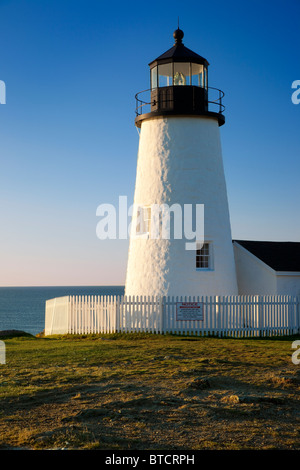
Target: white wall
253, 276
288, 284
180, 161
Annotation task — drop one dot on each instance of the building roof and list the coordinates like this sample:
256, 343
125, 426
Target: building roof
280, 256
179, 53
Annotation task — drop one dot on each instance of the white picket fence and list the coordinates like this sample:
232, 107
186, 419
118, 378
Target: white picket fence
222, 316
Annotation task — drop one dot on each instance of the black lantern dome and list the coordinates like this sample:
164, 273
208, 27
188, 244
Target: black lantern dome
179, 86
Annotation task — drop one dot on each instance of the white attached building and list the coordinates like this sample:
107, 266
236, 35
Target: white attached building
267, 267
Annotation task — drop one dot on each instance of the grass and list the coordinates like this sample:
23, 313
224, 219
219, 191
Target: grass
147, 392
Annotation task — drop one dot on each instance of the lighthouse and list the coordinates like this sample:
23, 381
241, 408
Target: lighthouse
180, 166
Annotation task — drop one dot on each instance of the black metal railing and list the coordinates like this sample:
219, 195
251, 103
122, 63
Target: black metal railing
144, 104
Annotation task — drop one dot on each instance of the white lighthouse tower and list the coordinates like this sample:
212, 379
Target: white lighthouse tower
180, 164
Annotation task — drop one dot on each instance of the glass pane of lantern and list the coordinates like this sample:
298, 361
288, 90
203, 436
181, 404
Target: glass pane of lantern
197, 75
165, 75
181, 73
205, 77
154, 77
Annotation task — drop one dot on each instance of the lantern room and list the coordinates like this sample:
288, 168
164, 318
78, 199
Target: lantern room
178, 66
179, 85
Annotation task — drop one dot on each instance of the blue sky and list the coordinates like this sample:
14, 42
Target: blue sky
68, 141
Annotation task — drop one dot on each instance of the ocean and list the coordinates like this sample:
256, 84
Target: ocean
23, 308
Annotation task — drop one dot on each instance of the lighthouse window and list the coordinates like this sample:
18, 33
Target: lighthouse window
205, 77
146, 219
154, 78
181, 73
203, 256
143, 220
197, 75
165, 75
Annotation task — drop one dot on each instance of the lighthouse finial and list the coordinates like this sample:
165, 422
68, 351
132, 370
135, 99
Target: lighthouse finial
178, 34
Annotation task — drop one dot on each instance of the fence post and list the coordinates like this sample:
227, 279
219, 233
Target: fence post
260, 317
117, 313
161, 301
217, 316
69, 315
298, 314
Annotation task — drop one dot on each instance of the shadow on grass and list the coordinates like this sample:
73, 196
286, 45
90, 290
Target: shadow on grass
136, 336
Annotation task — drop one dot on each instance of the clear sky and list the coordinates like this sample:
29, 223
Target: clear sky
68, 141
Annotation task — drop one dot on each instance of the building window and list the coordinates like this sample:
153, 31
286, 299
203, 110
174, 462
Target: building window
143, 220
204, 256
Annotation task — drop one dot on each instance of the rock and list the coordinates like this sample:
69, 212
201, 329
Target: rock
12, 333
172, 356
42, 438
262, 399
200, 383
231, 399
285, 380
274, 400
91, 413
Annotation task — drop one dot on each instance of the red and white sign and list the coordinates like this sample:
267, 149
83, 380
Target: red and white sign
189, 311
